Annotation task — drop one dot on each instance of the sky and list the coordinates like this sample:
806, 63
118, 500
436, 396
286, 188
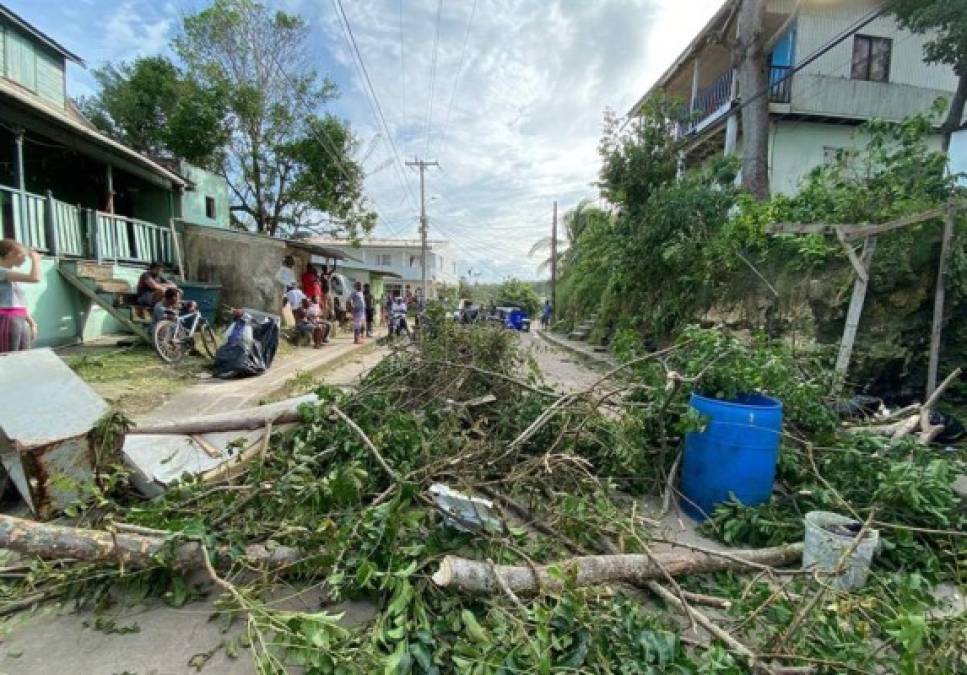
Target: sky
512, 110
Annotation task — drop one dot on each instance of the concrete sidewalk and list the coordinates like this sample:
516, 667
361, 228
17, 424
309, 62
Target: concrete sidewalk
582, 349
214, 395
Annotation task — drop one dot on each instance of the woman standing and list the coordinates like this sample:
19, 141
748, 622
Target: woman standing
17, 327
311, 284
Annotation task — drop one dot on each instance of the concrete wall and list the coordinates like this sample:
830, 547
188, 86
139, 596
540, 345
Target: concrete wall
796, 148
207, 185
826, 87
244, 264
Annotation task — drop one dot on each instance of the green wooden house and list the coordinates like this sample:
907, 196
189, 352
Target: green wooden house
97, 210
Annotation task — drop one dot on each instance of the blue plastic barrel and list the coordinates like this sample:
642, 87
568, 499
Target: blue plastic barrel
735, 455
206, 295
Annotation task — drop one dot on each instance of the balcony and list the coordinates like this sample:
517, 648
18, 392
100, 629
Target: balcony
714, 101
60, 229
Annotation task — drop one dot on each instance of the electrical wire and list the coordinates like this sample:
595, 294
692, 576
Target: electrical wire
402, 67
456, 80
433, 67
373, 97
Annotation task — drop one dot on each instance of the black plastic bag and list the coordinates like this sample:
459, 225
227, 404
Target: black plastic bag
238, 359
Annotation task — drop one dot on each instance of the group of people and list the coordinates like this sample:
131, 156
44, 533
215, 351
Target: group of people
317, 310
160, 295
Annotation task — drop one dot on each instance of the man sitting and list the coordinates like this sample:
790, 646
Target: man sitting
306, 323
152, 285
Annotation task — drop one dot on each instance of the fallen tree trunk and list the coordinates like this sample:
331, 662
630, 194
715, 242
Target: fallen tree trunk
283, 412
473, 576
131, 550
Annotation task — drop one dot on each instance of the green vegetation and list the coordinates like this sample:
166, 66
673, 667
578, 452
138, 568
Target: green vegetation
133, 379
676, 252
243, 103
370, 532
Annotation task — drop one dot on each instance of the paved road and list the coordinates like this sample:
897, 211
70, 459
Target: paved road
559, 367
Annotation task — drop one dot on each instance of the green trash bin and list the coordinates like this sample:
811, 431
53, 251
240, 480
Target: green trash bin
206, 295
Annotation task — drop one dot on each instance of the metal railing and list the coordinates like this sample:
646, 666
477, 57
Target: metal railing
61, 229
780, 85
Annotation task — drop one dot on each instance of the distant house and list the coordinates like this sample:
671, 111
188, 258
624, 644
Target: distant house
878, 72
402, 258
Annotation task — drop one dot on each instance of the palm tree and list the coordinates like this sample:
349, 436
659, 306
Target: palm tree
575, 222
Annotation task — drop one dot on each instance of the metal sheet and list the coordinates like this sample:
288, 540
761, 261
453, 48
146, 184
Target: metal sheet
42, 401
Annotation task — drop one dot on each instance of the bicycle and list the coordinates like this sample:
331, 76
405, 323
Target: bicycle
175, 336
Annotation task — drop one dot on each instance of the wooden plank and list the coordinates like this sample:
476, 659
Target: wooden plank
861, 231
802, 228
938, 304
861, 271
90, 294
853, 316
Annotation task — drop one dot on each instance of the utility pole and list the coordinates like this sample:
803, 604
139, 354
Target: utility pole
554, 262
423, 164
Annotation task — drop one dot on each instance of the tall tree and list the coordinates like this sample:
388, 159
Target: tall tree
946, 21
750, 56
151, 106
287, 165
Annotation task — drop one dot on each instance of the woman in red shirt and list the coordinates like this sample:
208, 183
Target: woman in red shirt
310, 283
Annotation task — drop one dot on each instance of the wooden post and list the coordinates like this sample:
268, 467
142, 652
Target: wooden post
853, 315
938, 303
21, 225
50, 225
110, 190
177, 249
696, 77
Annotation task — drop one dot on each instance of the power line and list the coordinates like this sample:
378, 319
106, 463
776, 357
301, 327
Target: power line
456, 80
402, 65
429, 104
372, 96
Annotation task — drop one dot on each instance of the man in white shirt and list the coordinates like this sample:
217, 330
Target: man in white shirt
286, 274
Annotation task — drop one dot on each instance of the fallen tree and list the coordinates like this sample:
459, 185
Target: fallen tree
55, 542
473, 576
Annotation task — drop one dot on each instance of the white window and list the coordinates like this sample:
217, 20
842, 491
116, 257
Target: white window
384, 260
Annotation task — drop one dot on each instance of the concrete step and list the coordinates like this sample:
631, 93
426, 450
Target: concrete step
579, 335
112, 286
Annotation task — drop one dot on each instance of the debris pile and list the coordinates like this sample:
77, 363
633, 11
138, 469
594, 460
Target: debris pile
497, 525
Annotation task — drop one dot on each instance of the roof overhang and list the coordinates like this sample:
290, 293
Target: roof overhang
317, 249
374, 271
50, 42
718, 22
21, 107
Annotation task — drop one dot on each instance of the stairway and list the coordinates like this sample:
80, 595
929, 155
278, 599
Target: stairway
583, 330
96, 282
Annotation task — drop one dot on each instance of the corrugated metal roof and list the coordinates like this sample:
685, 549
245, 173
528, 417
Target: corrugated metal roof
43, 401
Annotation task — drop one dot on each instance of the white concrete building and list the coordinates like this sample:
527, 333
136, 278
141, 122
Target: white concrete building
877, 72
402, 257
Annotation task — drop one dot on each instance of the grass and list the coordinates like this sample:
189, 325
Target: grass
133, 379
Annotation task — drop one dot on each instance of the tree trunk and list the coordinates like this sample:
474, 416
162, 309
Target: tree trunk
55, 542
473, 576
753, 79
955, 118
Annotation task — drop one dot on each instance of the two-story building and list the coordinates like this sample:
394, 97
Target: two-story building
876, 72
402, 258
92, 206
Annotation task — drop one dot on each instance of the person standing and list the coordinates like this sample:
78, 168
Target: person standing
358, 303
311, 283
546, 314
286, 275
18, 329
370, 310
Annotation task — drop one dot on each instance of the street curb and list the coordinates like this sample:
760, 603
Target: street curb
597, 359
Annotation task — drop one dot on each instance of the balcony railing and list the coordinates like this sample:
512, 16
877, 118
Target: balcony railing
780, 84
713, 101
61, 229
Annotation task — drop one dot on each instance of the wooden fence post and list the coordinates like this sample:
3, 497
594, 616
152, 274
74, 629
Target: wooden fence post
853, 315
938, 304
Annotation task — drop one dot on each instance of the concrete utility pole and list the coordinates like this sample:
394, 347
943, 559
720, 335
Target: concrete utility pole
554, 261
423, 164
